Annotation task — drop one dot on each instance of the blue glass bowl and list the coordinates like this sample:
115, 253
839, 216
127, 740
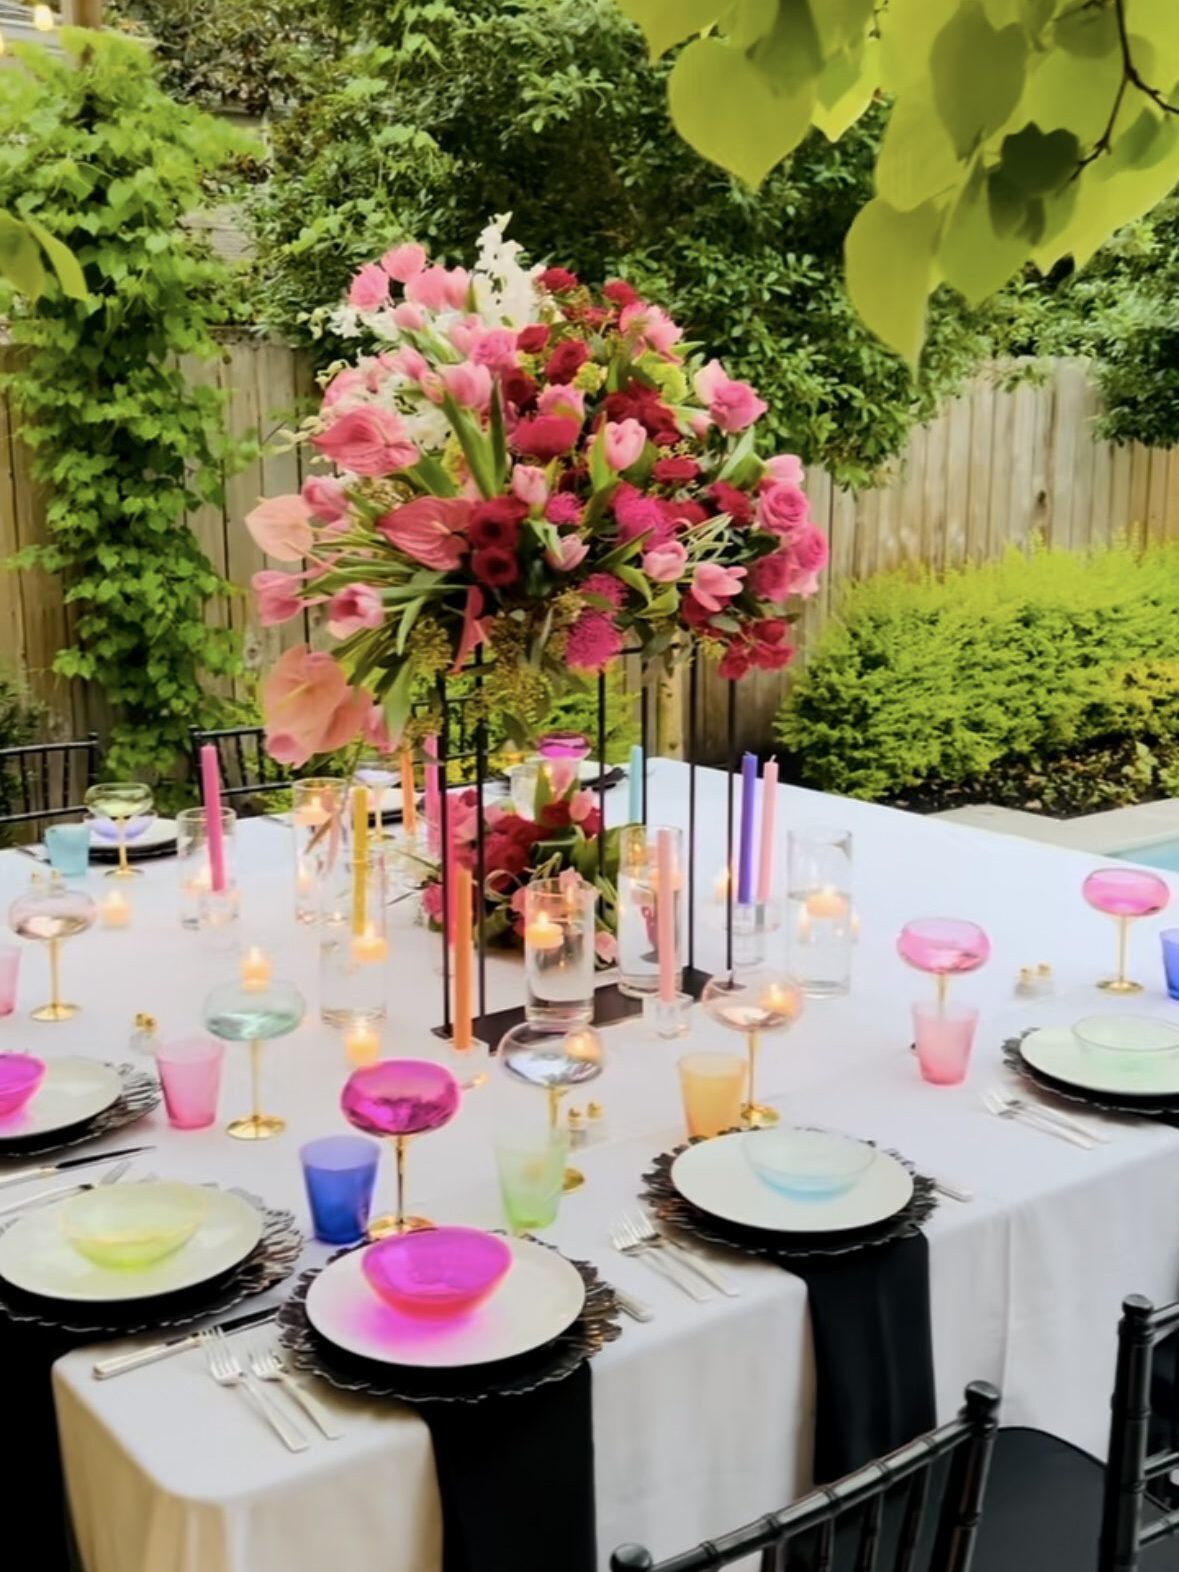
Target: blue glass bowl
807, 1165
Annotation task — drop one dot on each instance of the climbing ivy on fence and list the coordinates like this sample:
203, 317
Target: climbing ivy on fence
93, 152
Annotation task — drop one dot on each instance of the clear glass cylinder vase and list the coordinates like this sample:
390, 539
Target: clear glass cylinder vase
821, 922
192, 859
319, 819
354, 944
559, 952
638, 909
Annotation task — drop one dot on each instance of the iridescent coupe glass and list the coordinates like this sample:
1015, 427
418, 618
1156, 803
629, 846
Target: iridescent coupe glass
50, 914
752, 1003
245, 1011
122, 811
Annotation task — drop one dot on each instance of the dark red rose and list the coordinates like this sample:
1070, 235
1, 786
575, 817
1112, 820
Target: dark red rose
675, 471
555, 816
566, 360
558, 279
682, 511
504, 513
730, 500
495, 566
735, 662
636, 402
620, 292
573, 478
494, 531
519, 390
591, 316
531, 340
545, 436
693, 613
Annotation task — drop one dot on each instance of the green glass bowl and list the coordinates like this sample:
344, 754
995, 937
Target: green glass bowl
130, 1226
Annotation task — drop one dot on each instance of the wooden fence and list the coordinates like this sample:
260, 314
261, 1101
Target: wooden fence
997, 467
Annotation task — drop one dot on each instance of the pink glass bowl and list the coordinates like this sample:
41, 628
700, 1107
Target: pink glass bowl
943, 945
563, 745
400, 1097
20, 1076
437, 1272
1126, 892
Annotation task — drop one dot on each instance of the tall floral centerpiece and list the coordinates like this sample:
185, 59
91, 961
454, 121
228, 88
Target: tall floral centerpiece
517, 460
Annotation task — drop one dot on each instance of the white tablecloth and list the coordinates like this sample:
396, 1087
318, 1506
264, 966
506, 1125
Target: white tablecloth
703, 1417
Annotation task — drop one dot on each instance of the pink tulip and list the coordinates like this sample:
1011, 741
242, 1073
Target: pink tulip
410, 363
326, 498
281, 527
427, 529
606, 948
344, 385
732, 405
652, 325
369, 290
567, 554
436, 288
624, 442
530, 485
404, 262
664, 564
308, 707
352, 608
277, 596
368, 441
561, 399
458, 287
581, 805
375, 730
408, 317
714, 586
786, 467
469, 385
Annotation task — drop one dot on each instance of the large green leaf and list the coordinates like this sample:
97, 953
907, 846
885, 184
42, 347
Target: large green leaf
978, 74
972, 257
790, 55
668, 22
1072, 92
723, 106
20, 258
62, 260
916, 160
889, 256
1038, 162
846, 87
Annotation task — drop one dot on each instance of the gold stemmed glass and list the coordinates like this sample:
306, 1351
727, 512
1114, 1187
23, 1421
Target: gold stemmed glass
752, 1003
50, 915
124, 803
252, 1012
400, 1098
554, 1059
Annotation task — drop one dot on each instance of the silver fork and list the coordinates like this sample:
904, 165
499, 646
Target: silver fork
626, 1240
995, 1103
63, 1192
649, 1233
1055, 1115
268, 1366
225, 1370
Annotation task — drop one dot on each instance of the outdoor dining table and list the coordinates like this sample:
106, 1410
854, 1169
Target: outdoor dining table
703, 1417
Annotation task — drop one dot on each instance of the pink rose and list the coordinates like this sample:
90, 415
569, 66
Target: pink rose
408, 317
624, 442
281, 527
368, 441
664, 564
561, 399
606, 947
354, 607
714, 586
427, 529
771, 578
369, 290
530, 485
809, 551
326, 498
308, 707
277, 596
782, 508
732, 405
469, 385
495, 348
569, 553
404, 262
786, 467
652, 326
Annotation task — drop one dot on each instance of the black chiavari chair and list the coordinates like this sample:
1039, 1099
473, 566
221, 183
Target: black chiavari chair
44, 781
247, 770
845, 1523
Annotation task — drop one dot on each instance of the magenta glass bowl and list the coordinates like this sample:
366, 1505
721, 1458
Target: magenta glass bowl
437, 1272
400, 1097
20, 1076
1126, 892
563, 745
943, 946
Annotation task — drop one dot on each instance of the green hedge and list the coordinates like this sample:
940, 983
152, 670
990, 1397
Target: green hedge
935, 679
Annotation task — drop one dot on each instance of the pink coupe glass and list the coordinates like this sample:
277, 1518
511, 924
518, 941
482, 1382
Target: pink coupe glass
400, 1098
943, 946
1125, 893
563, 745
440, 1273
20, 1076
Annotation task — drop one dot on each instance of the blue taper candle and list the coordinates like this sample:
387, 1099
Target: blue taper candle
636, 785
748, 814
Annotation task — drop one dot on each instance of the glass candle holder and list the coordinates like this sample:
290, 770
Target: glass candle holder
354, 947
322, 837
559, 952
68, 848
638, 913
377, 775
51, 916
821, 924
192, 856
122, 810
1125, 894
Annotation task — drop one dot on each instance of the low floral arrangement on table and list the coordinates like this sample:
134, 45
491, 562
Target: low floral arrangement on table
523, 462
560, 841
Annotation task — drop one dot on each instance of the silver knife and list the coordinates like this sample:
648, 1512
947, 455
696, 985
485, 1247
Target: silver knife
47, 1171
118, 1363
48, 1197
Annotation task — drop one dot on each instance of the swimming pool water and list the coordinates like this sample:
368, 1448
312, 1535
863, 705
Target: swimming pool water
1163, 854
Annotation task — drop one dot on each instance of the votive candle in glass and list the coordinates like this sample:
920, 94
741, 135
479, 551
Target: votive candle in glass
638, 909
322, 837
821, 924
353, 966
192, 857
559, 951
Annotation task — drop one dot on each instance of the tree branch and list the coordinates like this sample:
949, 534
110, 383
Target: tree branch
1131, 77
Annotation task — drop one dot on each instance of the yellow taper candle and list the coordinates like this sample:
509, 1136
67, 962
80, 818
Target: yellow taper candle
463, 1035
409, 793
359, 858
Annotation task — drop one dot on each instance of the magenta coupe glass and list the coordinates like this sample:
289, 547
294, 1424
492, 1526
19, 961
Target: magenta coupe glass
563, 745
440, 1273
1123, 894
943, 946
20, 1076
399, 1098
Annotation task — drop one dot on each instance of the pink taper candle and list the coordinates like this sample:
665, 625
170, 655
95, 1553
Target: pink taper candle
433, 803
769, 798
211, 790
665, 915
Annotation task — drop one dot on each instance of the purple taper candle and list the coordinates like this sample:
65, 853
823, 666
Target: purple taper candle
748, 813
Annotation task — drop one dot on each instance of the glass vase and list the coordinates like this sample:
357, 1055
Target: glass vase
559, 952
192, 857
821, 920
319, 819
638, 938
354, 945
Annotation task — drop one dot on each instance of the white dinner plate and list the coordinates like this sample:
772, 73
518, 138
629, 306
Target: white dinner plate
541, 1295
36, 1256
715, 1176
1058, 1052
73, 1090
160, 832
